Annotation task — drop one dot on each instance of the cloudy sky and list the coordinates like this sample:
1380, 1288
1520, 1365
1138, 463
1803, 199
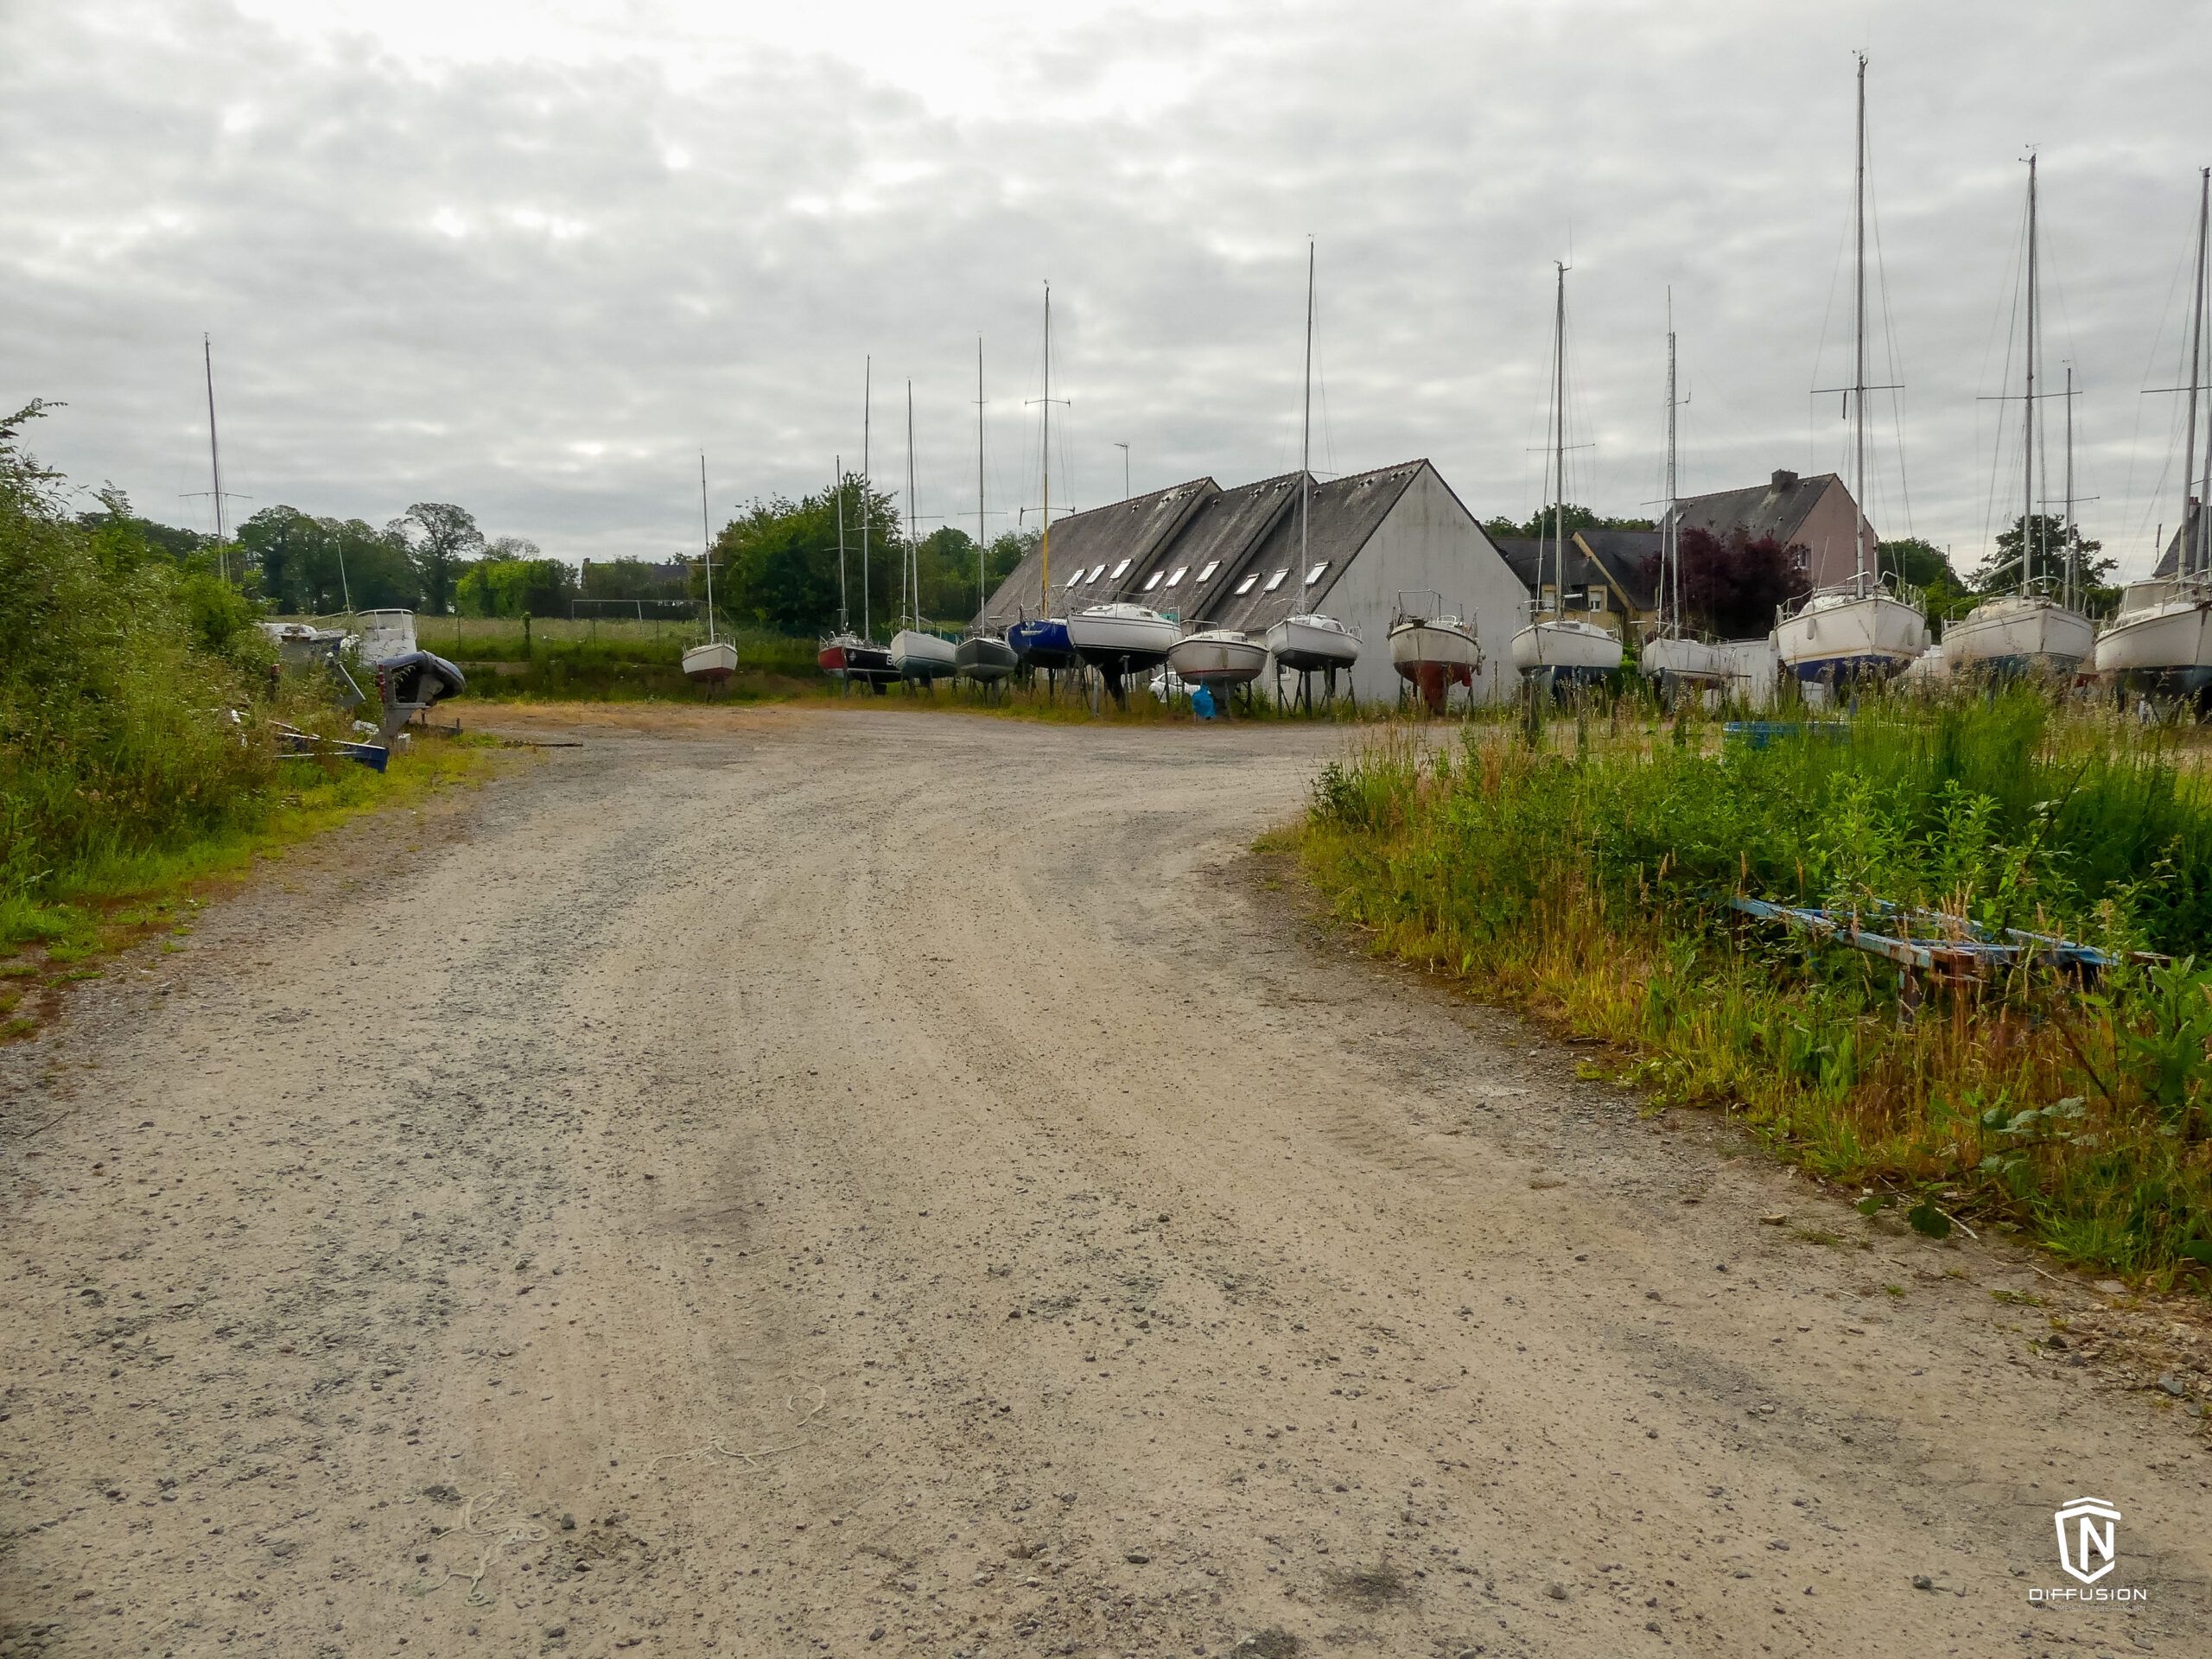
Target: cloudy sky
534, 257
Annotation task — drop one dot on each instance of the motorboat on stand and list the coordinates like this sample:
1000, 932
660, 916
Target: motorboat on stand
922, 656
1680, 663
1565, 653
984, 659
1432, 649
1220, 659
1041, 643
1308, 645
1120, 639
1856, 631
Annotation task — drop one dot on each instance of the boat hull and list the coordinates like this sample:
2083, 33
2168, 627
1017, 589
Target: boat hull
1119, 640
851, 658
1304, 646
2163, 653
1217, 658
1684, 662
1042, 643
1572, 653
1869, 638
2012, 637
711, 665
985, 659
1433, 656
922, 656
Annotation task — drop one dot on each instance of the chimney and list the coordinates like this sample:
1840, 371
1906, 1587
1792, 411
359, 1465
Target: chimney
1783, 481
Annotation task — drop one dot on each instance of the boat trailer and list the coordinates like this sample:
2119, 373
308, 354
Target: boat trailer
1950, 948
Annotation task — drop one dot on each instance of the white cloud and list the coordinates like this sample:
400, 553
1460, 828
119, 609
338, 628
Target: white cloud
449, 252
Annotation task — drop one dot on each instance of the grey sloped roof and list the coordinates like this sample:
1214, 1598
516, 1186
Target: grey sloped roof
1133, 530
1621, 554
1776, 508
1521, 555
2170, 561
1341, 515
1224, 532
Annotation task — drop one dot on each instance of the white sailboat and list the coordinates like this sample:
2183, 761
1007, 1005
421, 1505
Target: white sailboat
983, 658
1310, 643
915, 655
1676, 660
1855, 629
716, 661
2160, 644
1561, 651
1217, 658
2030, 631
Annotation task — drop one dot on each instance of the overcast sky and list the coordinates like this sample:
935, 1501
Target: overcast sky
532, 258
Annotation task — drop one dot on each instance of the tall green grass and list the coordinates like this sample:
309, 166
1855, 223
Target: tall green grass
1587, 886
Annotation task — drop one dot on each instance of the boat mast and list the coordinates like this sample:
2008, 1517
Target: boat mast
215, 461
1306, 440
1859, 337
2027, 403
1045, 550
911, 578
706, 541
844, 611
1558, 463
867, 404
982, 597
1671, 556
2196, 379
2066, 530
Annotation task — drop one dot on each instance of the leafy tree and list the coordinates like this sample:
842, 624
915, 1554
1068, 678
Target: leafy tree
2047, 538
1569, 518
776, 565
440, 537
515, 588
634, 579
1919, 563
321, 567
1731, 585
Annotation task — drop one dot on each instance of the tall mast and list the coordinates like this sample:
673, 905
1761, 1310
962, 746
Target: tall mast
1859, 337
215, 458
2066, 530
1306, 442
707, 543
844, 611
1559, 458
1045, 555
867, 404
2195, 379
1671, 558
911, 580
981, 598
2028, 404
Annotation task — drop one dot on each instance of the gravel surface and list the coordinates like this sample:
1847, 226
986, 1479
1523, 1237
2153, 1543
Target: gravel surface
854, 1182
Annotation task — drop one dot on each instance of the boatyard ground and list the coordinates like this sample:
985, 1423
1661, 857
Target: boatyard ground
785, 1181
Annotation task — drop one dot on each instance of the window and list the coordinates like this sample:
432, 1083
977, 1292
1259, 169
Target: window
1096, 571
1275, 581
1211, 566
1152, 581
1315, 573
1177, 576
1077, 577
1120, 569
1245, 585
1597, 599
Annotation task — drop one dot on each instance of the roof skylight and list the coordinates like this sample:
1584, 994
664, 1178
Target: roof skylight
1177, 576
1245, 585
1211, 565
1314, 575
1275, 581
1120, 569
1096, 571
1152, 581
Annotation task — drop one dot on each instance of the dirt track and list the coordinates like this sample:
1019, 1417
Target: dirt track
909, 1184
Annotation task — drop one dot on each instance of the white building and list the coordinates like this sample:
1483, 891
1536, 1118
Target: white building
1245, 558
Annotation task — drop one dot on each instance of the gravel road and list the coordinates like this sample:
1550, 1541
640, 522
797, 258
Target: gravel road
866, 1183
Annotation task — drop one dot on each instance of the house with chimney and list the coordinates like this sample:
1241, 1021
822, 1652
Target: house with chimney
1814, 515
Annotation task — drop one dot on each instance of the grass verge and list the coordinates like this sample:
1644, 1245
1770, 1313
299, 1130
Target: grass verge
1583, 887
118, 896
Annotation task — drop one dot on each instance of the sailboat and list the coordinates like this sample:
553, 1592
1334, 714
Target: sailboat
1562, 651
1433, 647
2028, 631
855, 657
915, 655
2160, 643
1855, 629
983, 658
716, 661
1677, 660
1042, 641
1310, 643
